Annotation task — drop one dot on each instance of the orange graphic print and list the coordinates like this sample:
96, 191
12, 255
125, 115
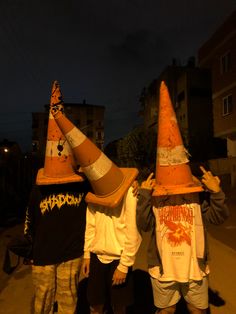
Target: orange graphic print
178, 234
178, 220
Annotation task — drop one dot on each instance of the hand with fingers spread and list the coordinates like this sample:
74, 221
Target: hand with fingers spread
149, 183
211, 182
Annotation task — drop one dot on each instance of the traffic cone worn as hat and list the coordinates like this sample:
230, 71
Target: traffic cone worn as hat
109, 182
59, 163
173, 173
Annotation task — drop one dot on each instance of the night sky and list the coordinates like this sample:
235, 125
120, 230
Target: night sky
103, 51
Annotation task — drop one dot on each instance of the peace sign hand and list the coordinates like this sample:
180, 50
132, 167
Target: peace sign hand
211, 182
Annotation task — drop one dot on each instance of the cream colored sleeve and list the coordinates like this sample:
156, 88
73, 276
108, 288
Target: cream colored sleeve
132, 236
89, 231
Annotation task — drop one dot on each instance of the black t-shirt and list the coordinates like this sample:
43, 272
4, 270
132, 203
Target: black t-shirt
57, 215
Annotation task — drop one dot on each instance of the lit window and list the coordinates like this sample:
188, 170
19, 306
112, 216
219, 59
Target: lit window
227, 105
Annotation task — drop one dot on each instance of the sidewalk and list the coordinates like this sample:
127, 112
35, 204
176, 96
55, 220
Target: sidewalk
223, 276
16, 290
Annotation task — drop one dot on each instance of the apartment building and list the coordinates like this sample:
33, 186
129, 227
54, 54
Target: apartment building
190, 91
150, 95
218, 54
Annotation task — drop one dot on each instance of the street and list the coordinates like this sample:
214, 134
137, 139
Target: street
16, 290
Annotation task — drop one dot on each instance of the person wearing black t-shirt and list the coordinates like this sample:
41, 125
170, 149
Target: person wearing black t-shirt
55, 220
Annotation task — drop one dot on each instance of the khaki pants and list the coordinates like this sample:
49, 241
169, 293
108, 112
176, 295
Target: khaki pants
56, 283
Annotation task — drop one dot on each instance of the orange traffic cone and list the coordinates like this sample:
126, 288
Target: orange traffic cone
173, 173
108, 181
59, 162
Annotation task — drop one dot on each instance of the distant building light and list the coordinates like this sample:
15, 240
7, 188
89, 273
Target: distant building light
6, 150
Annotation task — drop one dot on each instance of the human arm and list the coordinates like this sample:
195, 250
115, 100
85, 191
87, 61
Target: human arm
215, 210
29, 222
131, 237
89, 236
145, 217
209, 181
86, 267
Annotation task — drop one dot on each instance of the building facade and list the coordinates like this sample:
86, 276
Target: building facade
218, 54
150, 95
190, 92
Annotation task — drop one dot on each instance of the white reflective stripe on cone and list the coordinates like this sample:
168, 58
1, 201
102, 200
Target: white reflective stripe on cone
172, 156
52, 148
98, 169
75, 137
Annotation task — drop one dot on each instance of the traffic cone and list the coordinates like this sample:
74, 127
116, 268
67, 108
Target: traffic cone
109, 182
173, 173
59, 163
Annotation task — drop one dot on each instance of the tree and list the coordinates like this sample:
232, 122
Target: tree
138, 149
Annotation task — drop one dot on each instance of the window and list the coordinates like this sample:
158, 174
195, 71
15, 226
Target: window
89, 111
90, 134
99, 135
227, 104
225, 63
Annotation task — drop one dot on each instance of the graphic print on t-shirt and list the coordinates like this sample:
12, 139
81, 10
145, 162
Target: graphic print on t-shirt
180, 241
56, 201
177, 222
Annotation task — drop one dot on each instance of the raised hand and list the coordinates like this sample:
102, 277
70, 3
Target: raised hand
149, 183
211, 182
